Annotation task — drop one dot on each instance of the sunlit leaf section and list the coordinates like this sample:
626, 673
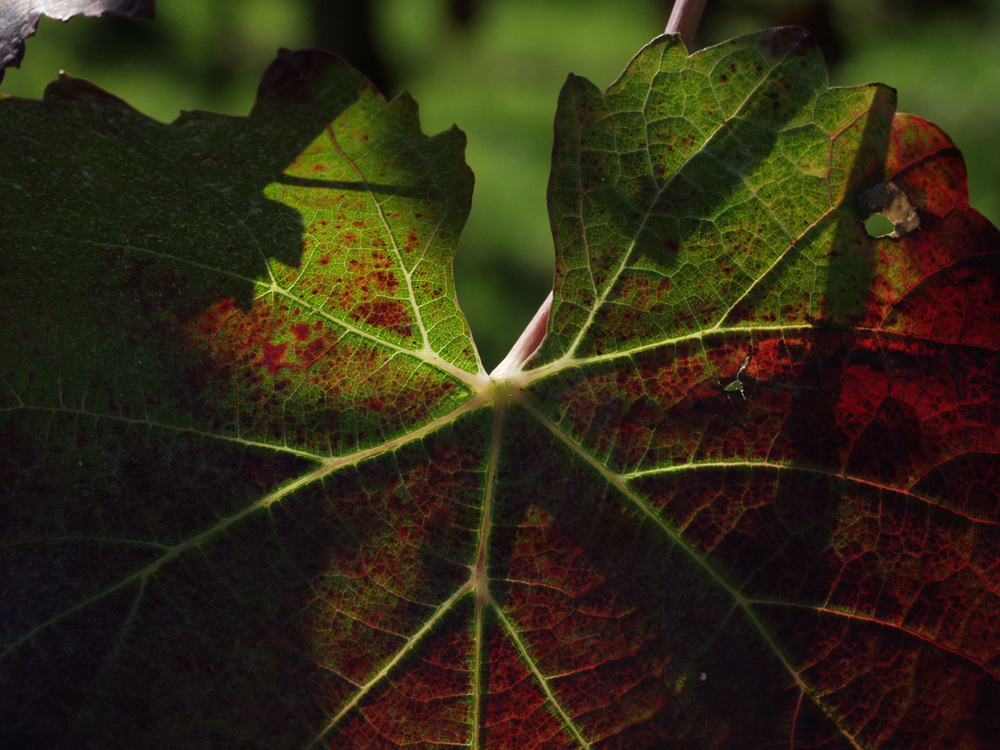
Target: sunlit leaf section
746, 385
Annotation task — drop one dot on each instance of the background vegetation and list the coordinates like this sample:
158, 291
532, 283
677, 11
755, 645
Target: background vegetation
495, 68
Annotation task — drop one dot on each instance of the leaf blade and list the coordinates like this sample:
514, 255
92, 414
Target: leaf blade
768, 522
835, 360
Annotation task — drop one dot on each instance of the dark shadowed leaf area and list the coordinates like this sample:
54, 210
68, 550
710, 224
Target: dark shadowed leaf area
257, 491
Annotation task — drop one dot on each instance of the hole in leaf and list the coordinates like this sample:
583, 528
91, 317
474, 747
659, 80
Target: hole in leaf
878, 225
892, 205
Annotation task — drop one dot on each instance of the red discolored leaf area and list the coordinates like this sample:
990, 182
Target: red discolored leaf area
258, 492
796, 426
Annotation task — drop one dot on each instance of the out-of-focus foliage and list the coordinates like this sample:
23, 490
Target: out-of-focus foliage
19, 19
192, 55
495, 75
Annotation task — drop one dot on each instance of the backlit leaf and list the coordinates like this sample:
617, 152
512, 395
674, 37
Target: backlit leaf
257, 490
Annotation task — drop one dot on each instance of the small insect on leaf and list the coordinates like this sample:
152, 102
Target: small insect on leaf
737, 385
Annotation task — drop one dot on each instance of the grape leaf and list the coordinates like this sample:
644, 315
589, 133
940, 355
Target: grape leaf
259, 492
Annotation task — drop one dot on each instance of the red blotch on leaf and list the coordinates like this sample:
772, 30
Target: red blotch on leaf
384, 314
274, 355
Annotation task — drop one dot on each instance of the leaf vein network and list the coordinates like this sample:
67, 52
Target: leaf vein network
740, 602
392, 238
626, 256
326, 466
898, 627
541, 679
388, 666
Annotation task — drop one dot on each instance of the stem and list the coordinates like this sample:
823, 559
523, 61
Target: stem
531, 337
684, 20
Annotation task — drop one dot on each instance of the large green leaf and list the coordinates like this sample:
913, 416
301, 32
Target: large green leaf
257, 490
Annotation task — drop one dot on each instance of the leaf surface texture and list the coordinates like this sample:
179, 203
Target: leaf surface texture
259, 492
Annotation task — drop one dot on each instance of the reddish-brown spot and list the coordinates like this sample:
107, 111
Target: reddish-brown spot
273, 357
313, 350
671, 245
318, 168
357, 223
324, 260
386, 281
724, 78
301, 331
383, 314
210, 321
774, 43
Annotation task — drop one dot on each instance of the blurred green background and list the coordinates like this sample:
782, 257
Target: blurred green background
495, 68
